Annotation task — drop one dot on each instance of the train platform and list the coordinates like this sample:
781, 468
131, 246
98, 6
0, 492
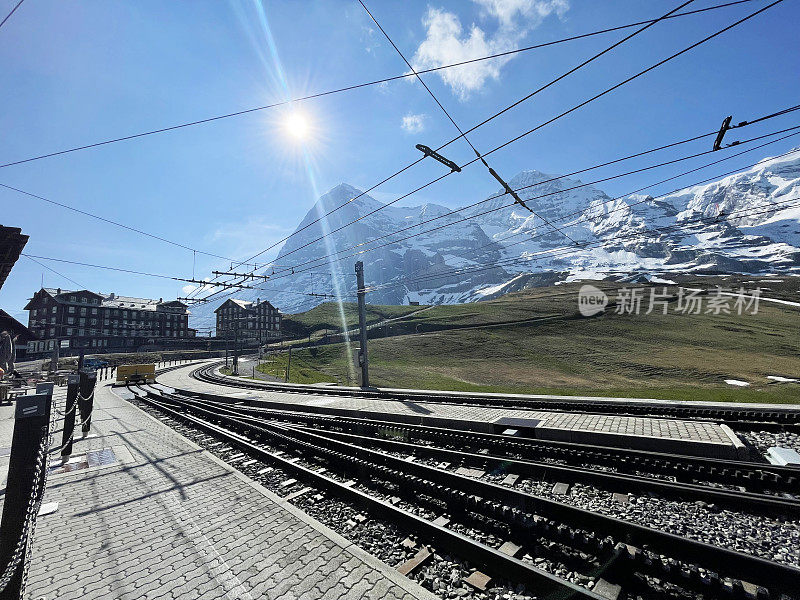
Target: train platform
145, 513
698, 438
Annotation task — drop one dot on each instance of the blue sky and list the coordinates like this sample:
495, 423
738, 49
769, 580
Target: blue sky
79, 72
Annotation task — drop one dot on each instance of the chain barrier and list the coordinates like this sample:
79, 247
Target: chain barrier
25, 543
64, 413
77, 426
32, 535
34, 503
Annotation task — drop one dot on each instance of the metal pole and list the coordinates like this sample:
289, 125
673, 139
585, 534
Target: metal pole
69, 417
236, 350
362, 323
86, 383
31, 428
54, 357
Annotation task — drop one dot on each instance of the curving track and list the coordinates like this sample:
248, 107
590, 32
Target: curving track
405, 474
738, 417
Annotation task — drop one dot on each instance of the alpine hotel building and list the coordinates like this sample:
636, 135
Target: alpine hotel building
102, 322
255, 321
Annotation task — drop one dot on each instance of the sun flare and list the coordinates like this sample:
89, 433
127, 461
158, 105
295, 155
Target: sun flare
297, 126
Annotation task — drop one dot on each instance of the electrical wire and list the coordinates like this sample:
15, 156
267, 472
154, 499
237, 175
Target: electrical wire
216, 295
297, 269
515, 139
461, 133
112, 222
122, 270
352, 87
568, 250
13, 10
41, 264
678, 229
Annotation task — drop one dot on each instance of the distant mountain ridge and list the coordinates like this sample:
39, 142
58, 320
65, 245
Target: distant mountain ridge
746, 223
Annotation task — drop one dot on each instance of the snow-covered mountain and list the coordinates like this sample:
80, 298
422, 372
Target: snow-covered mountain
747, 222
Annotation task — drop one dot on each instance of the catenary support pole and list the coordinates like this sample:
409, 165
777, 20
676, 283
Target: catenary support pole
235, 370
362, 323
31, 429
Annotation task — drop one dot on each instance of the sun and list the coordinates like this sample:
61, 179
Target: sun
297, 126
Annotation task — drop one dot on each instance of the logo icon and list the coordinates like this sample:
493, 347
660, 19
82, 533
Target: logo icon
591, 300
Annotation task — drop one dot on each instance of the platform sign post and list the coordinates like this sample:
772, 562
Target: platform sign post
26, 471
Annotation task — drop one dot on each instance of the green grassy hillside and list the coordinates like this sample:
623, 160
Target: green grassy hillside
327, 316
534, 342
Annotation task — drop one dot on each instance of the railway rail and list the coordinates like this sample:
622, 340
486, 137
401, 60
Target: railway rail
756, 486
737, 417
621, 551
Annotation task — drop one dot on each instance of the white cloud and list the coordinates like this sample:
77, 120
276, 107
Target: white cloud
536, 10
446, 41
414, 123
188, 289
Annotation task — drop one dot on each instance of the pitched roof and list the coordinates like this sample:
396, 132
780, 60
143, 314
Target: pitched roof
10, 324
114, 301
12, 241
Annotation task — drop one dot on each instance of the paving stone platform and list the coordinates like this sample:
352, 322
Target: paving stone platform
167, 520
644, 433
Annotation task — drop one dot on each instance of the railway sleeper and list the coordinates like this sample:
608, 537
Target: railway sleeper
411, 479
682, 471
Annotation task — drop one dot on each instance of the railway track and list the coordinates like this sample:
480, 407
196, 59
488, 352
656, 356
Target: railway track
739, 484
381, 468
737, 417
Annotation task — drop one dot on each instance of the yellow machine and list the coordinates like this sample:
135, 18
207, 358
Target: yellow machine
136, 373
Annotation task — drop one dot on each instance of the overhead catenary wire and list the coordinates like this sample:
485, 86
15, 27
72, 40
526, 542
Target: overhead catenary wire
458, 128
13, 10
313, 264
567, 250
680, 229
133, 272
355, 86
711, 179
564, 217
512, 140
570, 174
216, 295
457, 211
112, 222
461, 134
41, 264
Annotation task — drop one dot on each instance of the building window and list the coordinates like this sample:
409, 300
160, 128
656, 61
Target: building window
71, 310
